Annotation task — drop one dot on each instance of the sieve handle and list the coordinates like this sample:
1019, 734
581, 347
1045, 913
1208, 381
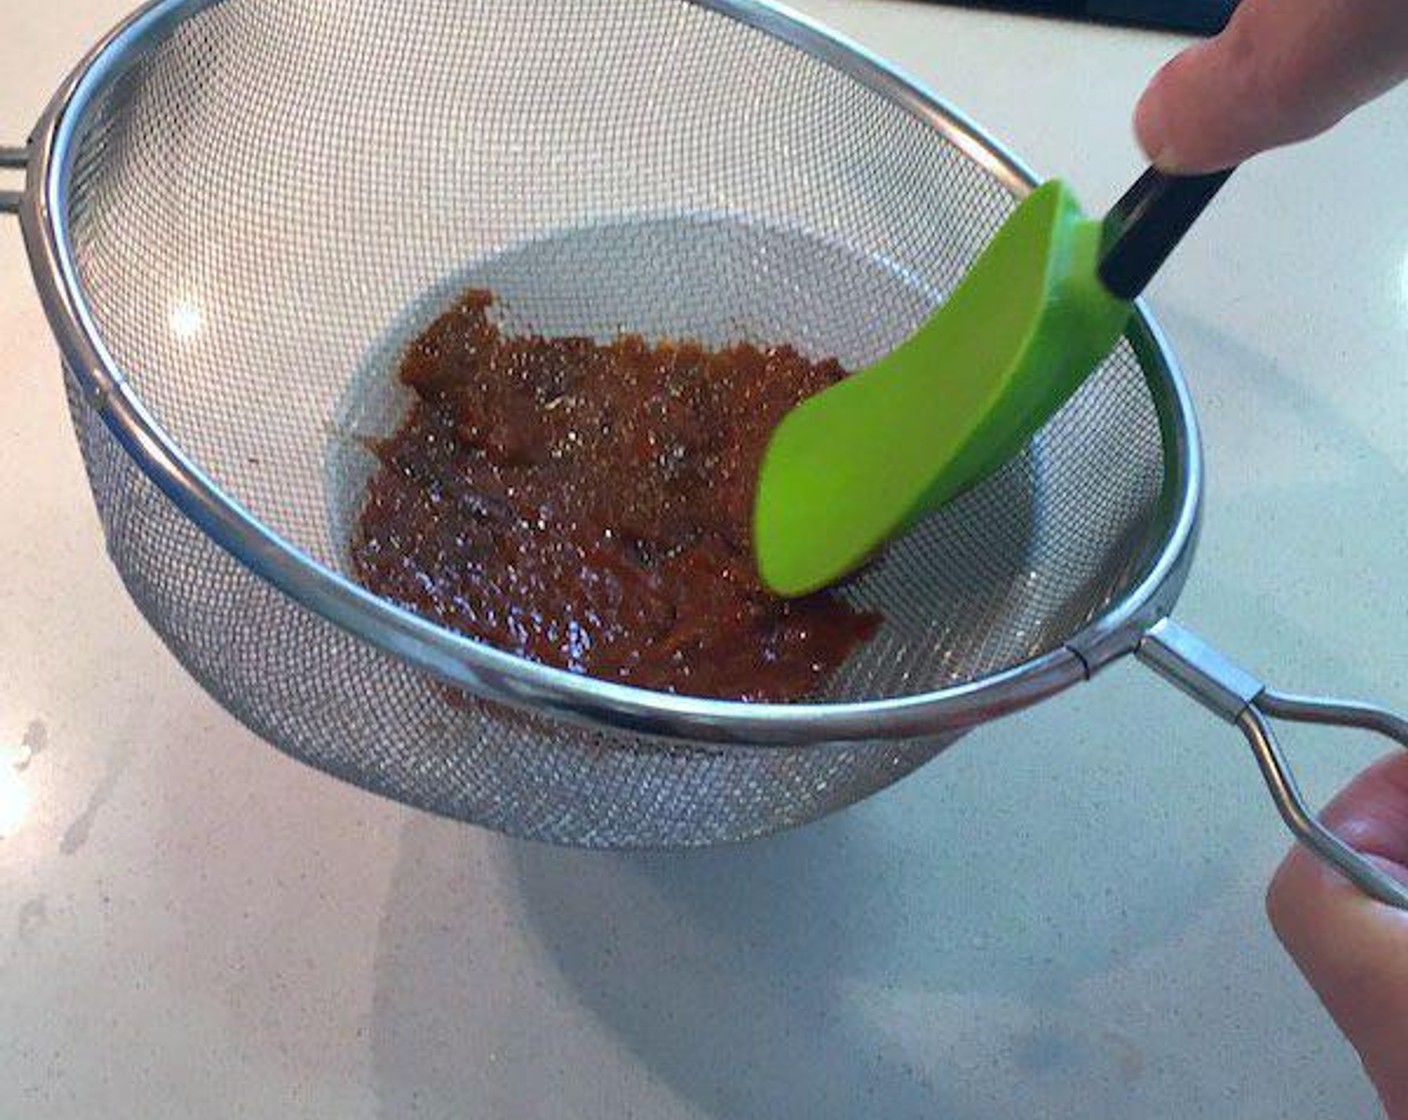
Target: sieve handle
12, 159
1240, 698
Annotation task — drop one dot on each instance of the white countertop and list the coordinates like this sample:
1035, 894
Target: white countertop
1060, 917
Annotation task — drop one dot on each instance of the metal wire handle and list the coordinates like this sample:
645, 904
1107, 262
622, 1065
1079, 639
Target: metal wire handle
1240, 698
12, 159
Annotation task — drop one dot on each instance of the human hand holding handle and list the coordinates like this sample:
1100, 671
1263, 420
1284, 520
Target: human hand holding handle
1353, 950
1283, 71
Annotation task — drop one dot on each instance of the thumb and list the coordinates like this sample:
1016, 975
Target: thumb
1353, 950
1282, 71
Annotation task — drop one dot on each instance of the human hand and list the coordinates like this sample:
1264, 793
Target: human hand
1282, 71
1353, 950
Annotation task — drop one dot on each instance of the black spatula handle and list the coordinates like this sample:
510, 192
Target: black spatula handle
1148, 222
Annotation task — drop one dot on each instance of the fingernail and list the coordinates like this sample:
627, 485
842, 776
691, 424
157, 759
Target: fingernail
1150, 127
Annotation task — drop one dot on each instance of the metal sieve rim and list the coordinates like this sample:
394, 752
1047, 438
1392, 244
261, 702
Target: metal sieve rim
501, 676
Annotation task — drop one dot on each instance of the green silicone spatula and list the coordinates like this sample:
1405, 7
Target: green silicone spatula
1045, 303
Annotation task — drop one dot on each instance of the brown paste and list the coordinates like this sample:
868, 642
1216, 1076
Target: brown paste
589, 506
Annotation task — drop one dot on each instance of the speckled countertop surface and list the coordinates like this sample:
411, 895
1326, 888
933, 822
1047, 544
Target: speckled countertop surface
1060, 917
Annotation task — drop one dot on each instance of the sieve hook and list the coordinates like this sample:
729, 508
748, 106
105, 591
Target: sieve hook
12, 159
1240, 698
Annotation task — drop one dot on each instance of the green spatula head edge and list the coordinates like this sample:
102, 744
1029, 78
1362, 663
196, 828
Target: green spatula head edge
860, 463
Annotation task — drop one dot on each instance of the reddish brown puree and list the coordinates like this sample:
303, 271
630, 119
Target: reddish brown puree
589, 507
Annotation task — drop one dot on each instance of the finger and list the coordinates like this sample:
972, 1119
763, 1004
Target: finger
1353, 950
1282, 71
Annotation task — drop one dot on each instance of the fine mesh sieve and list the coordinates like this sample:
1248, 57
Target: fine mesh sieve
240, 212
